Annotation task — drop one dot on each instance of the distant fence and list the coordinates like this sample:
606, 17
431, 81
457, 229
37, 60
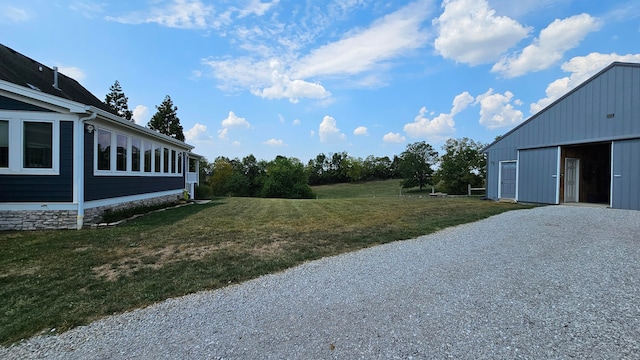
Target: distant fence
470, 189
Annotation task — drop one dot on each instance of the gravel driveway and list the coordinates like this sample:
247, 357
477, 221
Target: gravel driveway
550, 282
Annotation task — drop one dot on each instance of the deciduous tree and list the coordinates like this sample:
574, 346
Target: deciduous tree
415, 164
461, 164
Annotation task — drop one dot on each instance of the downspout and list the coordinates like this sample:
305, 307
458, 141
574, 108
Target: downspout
79, 169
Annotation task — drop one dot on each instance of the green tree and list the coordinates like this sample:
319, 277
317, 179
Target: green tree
286, 178
462, 164
221, 177
166, 121
117, 101
415, 164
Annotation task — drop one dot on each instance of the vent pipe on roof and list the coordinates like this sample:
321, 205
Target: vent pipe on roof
55, 78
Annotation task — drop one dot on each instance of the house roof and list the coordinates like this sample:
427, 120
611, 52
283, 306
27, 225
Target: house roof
24, 71
36, 80
533, 117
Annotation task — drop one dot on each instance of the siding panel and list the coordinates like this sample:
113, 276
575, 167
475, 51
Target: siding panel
626, 174
44, 188
536, 180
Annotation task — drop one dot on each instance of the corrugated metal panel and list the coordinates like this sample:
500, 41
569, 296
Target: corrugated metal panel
626, 175
493, 168
604, 108
537, 175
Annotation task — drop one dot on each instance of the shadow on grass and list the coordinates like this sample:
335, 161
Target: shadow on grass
172, 214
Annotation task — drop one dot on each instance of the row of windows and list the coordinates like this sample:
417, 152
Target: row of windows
122, 153
28, 145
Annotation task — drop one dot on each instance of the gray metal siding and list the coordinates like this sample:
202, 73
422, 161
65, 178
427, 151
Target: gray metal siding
493, 168
626, 175
537, 175
581, 117
605, 108
44, 188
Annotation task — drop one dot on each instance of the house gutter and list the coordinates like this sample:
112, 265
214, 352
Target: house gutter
79, 166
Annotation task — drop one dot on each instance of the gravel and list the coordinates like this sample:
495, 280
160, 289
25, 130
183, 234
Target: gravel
550, 282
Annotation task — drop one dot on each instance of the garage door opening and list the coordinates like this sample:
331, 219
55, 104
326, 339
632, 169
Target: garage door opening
586, 174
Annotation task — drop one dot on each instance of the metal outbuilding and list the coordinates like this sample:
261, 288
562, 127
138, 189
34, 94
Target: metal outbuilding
583, 148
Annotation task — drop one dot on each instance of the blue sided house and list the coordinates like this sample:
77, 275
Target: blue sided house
582, 149
66, 158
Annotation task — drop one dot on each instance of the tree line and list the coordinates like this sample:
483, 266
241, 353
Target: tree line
461, 164
419, 165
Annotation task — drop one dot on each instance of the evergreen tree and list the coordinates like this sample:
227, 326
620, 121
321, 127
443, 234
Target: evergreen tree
117, 101
166, 121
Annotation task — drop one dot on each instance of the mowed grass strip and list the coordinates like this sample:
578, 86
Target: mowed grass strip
51, 281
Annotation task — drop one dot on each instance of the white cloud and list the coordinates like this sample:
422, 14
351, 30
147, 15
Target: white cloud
549, 48
470, 32
12, 14
434, 129
441, 126
393, 138
282, 70
232, 121
223, 134
283, 87
312, 133
296, 122
141, 115
496, 110
361, 131
281, 118
73, 72
461, 102
198, 134
581, 68
387, 38
87, 9
329, 132
256, 7
181, 14
274, 142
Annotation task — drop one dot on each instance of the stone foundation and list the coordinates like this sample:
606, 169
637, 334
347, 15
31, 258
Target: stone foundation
67, 219
94, 215
38, 219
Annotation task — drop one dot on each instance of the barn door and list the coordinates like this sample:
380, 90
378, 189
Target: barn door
571, 180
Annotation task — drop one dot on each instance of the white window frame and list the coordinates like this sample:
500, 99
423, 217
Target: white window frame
16, 143
129, 172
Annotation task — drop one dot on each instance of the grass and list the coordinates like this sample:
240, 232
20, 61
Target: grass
371, 189
51, 281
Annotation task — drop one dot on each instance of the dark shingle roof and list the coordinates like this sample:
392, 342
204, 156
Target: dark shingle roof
21, 70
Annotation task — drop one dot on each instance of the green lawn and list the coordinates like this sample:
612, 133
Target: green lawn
61, 279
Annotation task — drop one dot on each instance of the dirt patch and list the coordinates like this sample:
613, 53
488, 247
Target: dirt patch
134, 259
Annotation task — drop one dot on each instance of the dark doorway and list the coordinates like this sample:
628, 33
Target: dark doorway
593, 173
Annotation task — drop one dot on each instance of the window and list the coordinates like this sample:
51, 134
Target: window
147, 156
192, 165
179, 163
38, 145
104, 150
166, 160
121, 152
173, 161
135, 154
4, 144
157, 156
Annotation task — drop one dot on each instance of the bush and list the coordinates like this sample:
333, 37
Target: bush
203, 192
109, 215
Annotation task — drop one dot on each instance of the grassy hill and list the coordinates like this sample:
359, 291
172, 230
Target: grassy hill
371, 189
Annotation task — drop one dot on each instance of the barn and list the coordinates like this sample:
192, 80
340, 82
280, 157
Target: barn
584, 148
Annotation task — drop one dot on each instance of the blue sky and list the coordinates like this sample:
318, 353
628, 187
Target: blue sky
299, 78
